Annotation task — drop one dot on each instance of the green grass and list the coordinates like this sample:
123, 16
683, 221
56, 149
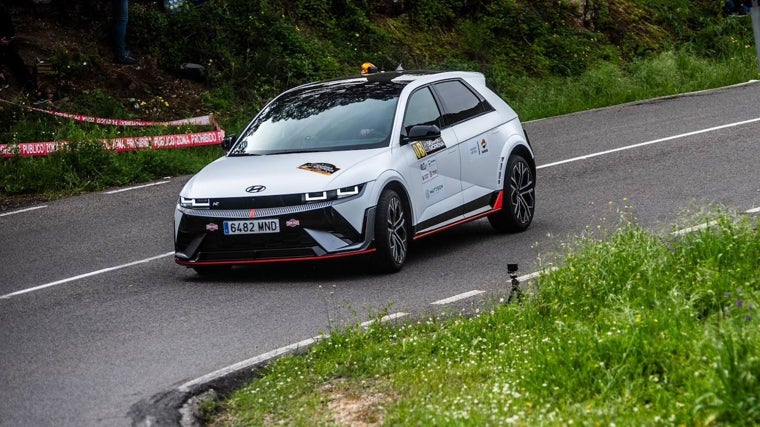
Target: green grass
608, 83
87, 166
633, 329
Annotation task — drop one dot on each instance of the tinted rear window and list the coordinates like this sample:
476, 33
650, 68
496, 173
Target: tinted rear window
460, 102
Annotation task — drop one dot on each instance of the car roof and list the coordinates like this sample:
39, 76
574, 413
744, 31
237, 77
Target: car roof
401, 77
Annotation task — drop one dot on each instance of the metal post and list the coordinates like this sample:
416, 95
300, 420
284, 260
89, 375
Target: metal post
514, 291
755, 12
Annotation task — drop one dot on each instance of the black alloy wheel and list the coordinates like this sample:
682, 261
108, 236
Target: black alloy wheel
391, 232
519, 197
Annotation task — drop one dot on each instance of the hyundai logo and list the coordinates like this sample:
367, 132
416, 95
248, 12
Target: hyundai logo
255, 189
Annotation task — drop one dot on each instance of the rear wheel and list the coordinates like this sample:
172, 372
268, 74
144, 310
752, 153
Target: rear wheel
391, 232
519, 197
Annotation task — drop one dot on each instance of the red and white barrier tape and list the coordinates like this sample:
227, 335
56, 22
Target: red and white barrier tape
32, 149
207, 120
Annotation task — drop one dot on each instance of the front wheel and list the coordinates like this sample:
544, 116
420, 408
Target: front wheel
519, 197
391, 232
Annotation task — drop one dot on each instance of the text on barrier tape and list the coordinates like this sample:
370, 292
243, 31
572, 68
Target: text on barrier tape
30, 149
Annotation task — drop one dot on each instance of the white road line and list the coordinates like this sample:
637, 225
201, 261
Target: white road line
245, 364
533, 275
707, 224
688, 230
136, 187
23, 210
470, 294
387, 318
456, 298
266, 357
82, 276
642, 144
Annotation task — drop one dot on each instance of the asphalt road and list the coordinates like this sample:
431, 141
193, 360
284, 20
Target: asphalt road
87, 330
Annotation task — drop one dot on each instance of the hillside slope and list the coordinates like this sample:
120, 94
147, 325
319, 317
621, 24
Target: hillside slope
254, 50
83, 49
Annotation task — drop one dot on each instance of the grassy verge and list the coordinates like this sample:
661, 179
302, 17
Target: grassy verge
607, 83
87, 166
633, 329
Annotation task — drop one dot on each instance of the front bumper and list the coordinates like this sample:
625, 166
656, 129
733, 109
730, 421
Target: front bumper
307, 232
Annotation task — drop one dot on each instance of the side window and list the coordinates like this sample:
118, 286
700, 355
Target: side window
421, 110
460, 102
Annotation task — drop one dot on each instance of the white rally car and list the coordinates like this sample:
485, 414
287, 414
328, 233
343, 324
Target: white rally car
356, 166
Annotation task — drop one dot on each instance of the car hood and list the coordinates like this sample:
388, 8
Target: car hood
283, 173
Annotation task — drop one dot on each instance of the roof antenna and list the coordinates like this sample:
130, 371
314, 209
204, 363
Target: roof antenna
399, 69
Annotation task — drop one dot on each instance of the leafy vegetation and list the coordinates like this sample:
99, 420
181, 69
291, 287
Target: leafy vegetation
545, 57
632, 329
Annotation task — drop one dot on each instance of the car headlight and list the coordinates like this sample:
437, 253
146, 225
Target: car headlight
187, 202
340, 193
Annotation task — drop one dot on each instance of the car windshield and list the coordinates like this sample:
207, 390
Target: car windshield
332, 116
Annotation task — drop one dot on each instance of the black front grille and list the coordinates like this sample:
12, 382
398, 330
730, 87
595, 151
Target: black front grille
256, 202
291, 241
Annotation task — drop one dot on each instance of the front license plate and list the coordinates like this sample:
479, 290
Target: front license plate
252, 226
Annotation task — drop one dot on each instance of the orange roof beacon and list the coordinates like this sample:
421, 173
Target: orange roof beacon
368, 68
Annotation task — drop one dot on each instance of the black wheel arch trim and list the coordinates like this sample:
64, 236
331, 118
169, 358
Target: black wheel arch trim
526, 154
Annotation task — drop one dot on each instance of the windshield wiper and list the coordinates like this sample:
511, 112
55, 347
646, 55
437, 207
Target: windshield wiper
243, 154
295, 152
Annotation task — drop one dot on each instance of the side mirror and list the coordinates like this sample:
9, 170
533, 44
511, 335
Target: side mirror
227, 142
420, 132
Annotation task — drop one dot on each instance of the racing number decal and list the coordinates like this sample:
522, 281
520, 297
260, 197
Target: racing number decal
428, 147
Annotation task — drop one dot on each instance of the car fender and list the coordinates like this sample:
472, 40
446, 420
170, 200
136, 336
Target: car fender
387, 178
516, 143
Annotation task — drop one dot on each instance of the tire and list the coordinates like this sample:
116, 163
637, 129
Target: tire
391, 232
519, 197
